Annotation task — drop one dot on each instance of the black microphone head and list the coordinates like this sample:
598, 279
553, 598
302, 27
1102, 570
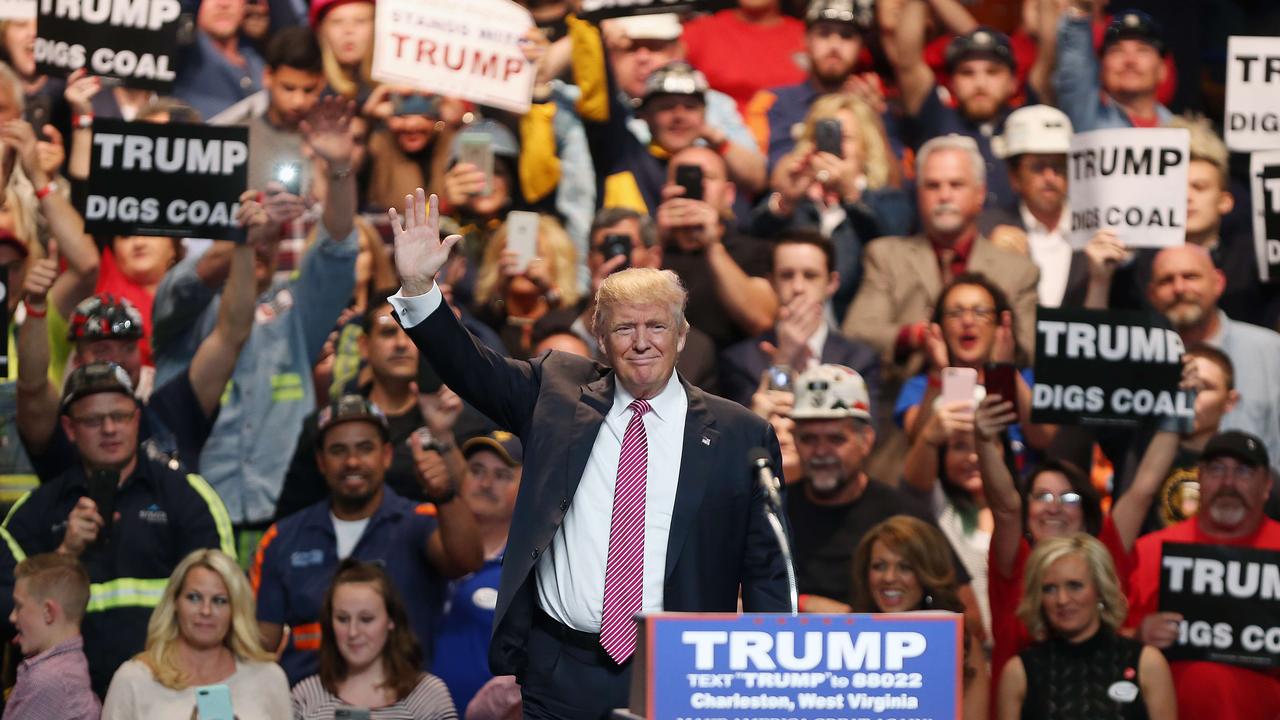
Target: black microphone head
759, 457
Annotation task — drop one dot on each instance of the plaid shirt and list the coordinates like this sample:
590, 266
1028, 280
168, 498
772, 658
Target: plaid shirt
54, 685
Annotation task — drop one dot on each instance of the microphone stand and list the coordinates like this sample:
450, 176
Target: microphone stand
772, 512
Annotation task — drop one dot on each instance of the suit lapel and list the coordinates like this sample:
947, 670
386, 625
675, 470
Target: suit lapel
697, 466
593, 404
927, 262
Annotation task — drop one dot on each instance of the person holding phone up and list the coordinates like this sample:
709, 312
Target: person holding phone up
202, 650
129, 513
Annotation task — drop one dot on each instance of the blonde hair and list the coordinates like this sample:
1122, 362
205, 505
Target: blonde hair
335, 74
1205, 144
160, 654
872, 145
640, 286
559, 251
1101, 569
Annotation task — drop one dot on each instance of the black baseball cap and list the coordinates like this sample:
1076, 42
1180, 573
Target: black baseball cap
502, 443
1134, 25
351, 408
984, 42
93, 378
1242, 446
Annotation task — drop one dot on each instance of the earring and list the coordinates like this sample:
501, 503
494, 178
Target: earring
1102, 605
928, 601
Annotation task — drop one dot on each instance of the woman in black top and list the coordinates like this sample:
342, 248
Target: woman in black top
1080, 668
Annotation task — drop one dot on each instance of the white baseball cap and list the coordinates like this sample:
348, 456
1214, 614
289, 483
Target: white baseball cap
1033, 129
828, 392
658, 26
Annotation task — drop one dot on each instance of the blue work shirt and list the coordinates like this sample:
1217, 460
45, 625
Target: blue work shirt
298, 556
209, 82
935, 118
462, 638
1075, 80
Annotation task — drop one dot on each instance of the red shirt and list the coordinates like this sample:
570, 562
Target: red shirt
1205, 689
111, 280
1010, 635
740, 58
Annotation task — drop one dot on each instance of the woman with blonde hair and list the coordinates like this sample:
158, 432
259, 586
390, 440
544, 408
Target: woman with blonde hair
202, 632
842, 179
511, 298
904, 564
1080, 668
344, 29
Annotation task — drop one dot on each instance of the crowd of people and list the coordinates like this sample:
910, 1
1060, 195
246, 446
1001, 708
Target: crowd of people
288, 473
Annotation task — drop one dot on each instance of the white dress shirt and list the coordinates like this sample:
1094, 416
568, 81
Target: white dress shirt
570, 574
1051, 252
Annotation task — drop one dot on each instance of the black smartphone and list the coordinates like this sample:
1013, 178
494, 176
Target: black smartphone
1001, 379
102, 491
37, 113
689, 177
289, 174
616, 244
828, 136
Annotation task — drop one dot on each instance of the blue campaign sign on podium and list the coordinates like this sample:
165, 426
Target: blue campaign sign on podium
881, 667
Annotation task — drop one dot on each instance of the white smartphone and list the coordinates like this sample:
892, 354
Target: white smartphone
522, 236
213, 702
477, 149
958, 384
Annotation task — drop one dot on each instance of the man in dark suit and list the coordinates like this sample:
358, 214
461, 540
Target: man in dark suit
618, 464
804, 280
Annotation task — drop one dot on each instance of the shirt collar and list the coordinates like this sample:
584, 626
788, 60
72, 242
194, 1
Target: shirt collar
1034, 226
962, 248
664, 405
816, 342
75, 644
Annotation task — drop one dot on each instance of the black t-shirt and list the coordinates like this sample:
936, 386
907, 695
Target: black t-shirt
704, 310
172, 419
824, 537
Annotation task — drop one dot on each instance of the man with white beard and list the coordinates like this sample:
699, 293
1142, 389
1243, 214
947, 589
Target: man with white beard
1234, 482
1186, 287
903, 276
836, 502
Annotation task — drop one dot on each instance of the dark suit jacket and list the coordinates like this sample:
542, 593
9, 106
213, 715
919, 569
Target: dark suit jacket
742, 364
719, 540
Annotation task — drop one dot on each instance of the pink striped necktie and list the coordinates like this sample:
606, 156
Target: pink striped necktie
624, 567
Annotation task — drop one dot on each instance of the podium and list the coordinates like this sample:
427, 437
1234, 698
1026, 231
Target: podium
720, 666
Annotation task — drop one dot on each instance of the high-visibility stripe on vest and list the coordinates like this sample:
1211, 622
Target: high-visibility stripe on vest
221, 519
126, 592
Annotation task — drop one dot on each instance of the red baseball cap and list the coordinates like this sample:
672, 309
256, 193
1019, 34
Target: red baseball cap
320, 7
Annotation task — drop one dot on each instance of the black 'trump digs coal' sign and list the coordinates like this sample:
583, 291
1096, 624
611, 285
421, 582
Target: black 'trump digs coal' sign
173, 179
1112, 366
134, 40
1229, 598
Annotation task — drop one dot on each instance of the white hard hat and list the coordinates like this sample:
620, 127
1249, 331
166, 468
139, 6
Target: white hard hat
1033, 129
659, 26
828, 392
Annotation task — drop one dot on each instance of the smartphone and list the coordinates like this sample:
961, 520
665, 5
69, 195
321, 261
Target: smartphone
781, 377
828, 136
616, 244
102, 491
213, 702
522, 236
689, 177
350, 713
37, 113
477, 149
288, 174
1001, 379
958, 384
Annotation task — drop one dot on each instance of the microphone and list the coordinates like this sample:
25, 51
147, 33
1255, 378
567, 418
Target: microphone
763, 466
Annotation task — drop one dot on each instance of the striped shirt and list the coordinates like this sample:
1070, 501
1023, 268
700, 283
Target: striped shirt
429, 701
54, 685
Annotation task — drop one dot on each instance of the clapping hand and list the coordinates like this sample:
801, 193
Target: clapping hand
419, 251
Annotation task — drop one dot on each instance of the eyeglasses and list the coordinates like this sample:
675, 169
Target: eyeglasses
981, 314
1066, 499
93, 422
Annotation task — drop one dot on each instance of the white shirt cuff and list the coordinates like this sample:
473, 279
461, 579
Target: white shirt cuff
413, 310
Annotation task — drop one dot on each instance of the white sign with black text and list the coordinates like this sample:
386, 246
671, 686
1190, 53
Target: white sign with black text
1252, 121
1132, 180
470, 50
